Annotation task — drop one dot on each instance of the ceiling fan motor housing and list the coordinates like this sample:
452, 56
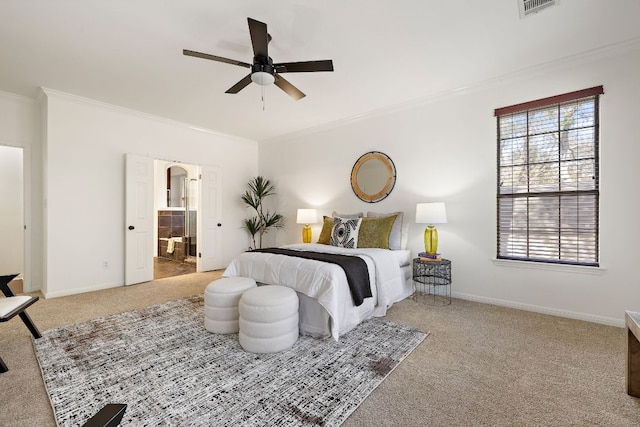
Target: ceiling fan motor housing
262, 71
260, 63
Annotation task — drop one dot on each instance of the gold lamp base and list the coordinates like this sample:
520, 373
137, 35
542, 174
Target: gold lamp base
431, 240
306, 234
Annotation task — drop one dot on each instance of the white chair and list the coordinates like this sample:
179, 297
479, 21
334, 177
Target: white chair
12, 306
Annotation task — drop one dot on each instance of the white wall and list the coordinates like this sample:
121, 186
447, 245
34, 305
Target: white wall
444, 149
11, 210
85, 144
20, 127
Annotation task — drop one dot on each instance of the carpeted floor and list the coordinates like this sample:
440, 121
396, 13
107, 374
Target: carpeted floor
483, 365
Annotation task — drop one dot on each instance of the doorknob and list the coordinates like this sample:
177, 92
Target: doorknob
131, 227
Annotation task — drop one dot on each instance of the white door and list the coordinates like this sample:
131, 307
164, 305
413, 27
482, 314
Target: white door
12, 209
209, 220
138, 263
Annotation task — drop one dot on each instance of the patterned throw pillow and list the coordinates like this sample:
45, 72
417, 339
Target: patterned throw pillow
327, 226
345, 232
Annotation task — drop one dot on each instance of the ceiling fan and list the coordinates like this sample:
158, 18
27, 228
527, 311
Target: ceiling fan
264, 71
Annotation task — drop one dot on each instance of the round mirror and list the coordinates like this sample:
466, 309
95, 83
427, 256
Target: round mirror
373, 176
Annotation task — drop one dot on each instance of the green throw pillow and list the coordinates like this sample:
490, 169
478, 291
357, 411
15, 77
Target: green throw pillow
374, 232
327, 227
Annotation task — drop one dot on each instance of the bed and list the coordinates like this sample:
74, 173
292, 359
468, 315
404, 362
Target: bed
327, 308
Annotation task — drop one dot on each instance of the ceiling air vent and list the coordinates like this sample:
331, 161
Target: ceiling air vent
528, 7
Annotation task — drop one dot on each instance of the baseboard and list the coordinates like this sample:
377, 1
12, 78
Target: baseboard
609, 321
67, 292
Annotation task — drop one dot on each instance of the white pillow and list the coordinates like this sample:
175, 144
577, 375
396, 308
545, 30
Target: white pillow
354, 215
345, 232
395, 237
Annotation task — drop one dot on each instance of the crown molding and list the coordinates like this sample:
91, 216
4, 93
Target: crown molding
591, 55
16, 97
88, 101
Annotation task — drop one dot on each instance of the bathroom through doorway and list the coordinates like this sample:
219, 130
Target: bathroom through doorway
176, 208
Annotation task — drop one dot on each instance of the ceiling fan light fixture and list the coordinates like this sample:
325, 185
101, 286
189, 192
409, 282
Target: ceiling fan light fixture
262, 78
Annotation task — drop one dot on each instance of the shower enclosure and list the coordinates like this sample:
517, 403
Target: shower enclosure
191, 217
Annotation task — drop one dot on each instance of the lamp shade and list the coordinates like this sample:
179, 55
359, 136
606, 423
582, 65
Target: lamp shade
431, 213
307, 216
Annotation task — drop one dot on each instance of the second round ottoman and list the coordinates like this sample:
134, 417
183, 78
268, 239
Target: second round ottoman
268, 319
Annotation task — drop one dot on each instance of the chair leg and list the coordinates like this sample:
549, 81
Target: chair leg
4, 285
30, 325
3, 367
109, 416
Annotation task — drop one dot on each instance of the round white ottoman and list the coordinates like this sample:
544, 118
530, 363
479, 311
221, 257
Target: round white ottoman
221, 303
268, 319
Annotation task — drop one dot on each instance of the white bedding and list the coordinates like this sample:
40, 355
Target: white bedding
327, 283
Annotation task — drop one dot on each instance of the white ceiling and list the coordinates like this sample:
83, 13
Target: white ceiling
385, 52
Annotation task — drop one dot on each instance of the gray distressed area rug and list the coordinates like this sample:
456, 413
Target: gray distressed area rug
169, 370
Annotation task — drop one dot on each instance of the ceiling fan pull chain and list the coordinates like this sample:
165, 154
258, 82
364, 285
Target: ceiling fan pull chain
263, 109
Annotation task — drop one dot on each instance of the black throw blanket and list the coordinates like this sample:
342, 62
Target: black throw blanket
354, 267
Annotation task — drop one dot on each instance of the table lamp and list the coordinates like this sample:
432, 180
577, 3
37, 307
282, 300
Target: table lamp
306, 217
431, 213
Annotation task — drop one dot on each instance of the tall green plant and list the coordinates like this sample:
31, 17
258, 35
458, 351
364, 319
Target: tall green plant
259, 189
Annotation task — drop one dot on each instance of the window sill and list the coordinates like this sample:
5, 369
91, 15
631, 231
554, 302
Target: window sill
567, 268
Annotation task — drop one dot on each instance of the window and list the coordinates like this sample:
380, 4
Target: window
548, 179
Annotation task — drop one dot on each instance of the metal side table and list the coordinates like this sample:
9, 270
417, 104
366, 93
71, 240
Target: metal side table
432, 280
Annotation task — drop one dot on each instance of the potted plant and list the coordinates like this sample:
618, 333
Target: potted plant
259, 189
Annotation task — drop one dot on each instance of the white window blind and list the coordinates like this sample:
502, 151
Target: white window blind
548, 179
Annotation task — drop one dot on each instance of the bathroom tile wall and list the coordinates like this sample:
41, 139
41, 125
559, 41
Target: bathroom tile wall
171, 224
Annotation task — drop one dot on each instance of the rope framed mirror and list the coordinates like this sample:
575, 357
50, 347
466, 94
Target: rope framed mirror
373, 177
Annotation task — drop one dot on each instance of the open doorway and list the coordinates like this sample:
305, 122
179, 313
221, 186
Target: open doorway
143, 180
12, 214
176, 208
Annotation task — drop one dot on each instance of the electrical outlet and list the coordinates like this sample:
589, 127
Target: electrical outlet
105, 264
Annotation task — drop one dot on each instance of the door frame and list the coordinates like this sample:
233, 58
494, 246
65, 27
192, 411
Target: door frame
27, 262
154, 209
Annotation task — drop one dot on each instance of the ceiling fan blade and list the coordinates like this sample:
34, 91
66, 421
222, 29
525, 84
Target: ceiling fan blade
259, 37
305, 66
215, 58
240, 85
290, 89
